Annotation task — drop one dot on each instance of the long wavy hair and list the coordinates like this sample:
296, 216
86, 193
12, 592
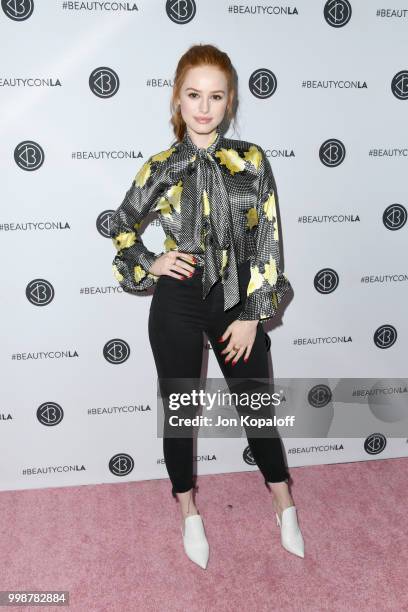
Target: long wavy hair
204, 55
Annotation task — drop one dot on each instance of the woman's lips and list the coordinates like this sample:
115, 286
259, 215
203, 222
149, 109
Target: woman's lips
203, 120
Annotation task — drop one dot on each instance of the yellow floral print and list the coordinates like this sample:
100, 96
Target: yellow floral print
255, 281
224, 260
169, 244
270, 212
173, 195
254, 156
116, 273
143, 174
124, 240
163, 155
275, 230
270, 206
231, 159
206, 204
163, 206
145, 171
139, 273
271, 273
252, 217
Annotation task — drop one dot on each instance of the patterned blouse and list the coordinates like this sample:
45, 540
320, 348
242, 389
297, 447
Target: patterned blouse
217, 203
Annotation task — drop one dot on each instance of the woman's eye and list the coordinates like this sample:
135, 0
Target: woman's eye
216, 96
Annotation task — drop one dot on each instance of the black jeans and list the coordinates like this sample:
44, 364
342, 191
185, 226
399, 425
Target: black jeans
177, 318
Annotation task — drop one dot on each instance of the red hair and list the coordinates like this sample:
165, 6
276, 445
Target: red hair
199, 55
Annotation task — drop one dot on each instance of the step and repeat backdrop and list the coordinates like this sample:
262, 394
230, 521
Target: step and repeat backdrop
85, 93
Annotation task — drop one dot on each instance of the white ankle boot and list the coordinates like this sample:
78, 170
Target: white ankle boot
195, 541
291, 536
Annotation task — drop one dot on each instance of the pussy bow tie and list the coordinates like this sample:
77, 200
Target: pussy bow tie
205, 204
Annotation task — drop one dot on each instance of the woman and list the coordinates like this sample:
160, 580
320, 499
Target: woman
219, 272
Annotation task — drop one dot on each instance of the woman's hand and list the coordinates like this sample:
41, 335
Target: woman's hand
241, 336
167, 265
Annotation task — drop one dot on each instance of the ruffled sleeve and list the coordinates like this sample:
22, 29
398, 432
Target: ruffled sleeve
133, 259
267, 284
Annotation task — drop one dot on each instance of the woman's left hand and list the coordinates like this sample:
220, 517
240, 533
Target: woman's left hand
241, 336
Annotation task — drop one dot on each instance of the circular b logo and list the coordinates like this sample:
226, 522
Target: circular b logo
332, 153
29, 155
262, 83
247, 456
103, 223
399, 85
385, 336
375, 444
181, 12
319, 396
116, 351
18, 11
104, 82
50, 414
121, 464
326, 280
39, 292
395, 216
337, 13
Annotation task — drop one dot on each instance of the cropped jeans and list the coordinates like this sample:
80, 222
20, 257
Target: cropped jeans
177, 319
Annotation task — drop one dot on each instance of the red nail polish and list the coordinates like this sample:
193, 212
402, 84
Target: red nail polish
234, 362
245, 359
220, 339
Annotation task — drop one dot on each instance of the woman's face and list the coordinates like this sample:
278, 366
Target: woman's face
203, 96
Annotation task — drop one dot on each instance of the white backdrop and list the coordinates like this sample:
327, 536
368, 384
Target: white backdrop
85, 91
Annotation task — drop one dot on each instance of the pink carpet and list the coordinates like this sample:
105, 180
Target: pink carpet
118, 548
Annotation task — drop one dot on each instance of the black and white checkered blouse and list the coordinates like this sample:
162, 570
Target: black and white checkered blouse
217, 203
